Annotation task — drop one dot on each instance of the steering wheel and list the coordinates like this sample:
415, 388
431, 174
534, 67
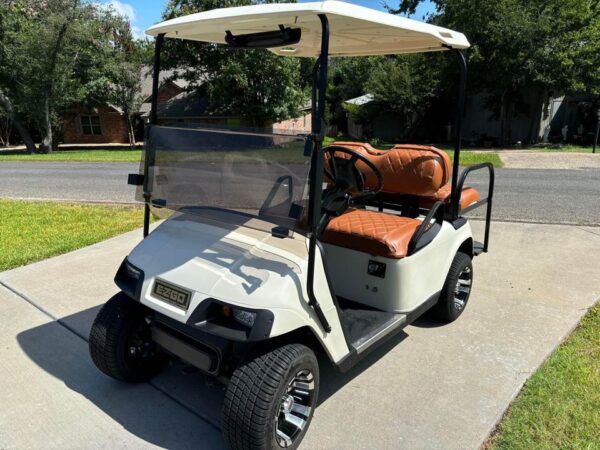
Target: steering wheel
346, 176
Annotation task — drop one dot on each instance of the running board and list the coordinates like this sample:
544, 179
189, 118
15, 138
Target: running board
363, 346
395, 323
478, 248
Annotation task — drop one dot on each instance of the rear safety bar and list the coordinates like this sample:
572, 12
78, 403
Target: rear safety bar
488, 200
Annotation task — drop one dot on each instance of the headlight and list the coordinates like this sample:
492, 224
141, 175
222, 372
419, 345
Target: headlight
132, 272
244, 317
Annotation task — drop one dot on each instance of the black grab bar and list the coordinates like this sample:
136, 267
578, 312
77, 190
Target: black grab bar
455, 207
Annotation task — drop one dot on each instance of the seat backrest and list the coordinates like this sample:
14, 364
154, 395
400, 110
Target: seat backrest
407, 169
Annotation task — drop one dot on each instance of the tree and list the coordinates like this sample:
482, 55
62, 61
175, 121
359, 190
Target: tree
347, 79
402, 85
56, 54
125, 74
11, 85
520, 45
256, 85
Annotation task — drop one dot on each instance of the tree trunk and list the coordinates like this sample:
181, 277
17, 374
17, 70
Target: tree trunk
536, 117
9, 127
505, 119
47, 142
129, 124
22, 129
597, 135
502, 119
130, 132
5, 132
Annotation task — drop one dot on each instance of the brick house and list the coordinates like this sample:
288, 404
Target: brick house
101, 125
298, 125
107, 124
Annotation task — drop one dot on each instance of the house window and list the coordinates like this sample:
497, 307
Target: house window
91, 125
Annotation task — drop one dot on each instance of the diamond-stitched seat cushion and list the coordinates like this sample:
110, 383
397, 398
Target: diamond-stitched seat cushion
414, 170
406, 169
376, 233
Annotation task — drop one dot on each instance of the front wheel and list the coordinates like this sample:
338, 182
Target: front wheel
457, 289
121, 343
270, 399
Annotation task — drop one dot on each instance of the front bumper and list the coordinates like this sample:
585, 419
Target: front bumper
202, 350
207, 316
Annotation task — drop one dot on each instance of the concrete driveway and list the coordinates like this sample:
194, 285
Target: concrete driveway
528, 159
432, 387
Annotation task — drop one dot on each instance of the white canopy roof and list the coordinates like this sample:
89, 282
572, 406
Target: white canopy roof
354, 30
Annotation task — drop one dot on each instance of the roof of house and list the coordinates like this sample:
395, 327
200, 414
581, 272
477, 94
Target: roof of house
354, 30
146, 86
184, 105
165, 75
362, 100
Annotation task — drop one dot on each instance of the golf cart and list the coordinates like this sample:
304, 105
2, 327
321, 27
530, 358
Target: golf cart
279, 248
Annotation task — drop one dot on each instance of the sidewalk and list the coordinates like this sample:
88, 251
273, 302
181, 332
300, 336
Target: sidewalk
62, 147
439, 387
530, 159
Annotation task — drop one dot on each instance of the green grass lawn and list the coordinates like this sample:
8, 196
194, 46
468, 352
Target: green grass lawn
286, 155
565, 149
77, 156
32, 231
559, 407
468, 158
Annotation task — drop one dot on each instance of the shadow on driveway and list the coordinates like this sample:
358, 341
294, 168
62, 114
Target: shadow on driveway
142, 408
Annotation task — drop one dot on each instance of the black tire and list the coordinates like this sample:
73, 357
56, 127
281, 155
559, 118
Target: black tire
451, 303
120, 342
258, 393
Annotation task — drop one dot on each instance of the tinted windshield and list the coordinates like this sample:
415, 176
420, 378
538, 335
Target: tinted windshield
257, 174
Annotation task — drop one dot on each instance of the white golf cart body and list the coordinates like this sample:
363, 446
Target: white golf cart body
244, 262
278, 268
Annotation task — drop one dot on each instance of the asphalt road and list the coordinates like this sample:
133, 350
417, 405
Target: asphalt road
533, 195
70, 181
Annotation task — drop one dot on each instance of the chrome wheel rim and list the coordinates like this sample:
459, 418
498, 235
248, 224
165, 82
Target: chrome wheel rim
295, 408
462, 290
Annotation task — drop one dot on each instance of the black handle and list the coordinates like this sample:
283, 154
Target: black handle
437, 211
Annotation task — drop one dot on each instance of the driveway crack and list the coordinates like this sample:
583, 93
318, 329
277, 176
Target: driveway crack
596, 233
210, 421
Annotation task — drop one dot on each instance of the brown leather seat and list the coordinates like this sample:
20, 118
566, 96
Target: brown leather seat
376, 233
408, 169
468, 196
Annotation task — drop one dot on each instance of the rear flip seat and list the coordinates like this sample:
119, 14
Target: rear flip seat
417, 170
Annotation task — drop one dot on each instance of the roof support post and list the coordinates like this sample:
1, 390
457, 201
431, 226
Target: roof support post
156, 77
149, 153
316, 167
460, 111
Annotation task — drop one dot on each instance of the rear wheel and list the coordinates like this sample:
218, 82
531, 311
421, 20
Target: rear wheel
457, 289
270, 399
121, 342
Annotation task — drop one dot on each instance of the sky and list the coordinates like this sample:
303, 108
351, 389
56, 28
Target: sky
144, 13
